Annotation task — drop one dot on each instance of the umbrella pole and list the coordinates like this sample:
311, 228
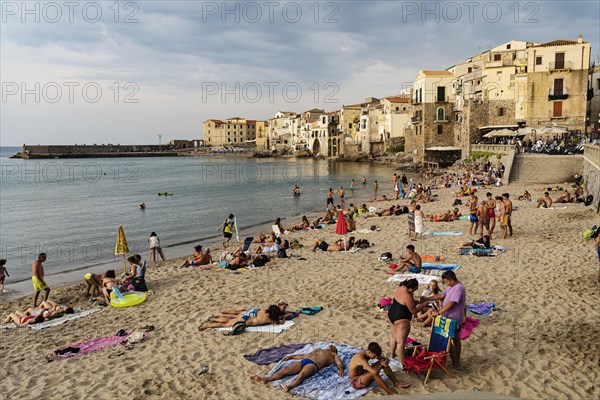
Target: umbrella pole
344, 237
124, 265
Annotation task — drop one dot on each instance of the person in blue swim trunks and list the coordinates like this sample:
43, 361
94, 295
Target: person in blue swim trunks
412, 261
308, 365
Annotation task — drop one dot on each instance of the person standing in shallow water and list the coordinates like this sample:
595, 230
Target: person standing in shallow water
155, 247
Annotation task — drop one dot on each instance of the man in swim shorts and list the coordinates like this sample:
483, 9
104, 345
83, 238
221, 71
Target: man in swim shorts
473, 215
329, 199
362, 373
491, 206
309, 365
37, 278
412, 261
545, 202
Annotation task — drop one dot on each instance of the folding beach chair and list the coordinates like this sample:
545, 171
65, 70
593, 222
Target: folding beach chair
436, 354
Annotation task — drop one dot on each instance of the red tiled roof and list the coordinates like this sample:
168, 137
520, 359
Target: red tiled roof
558, 43
251, 121
218, 121
396, 99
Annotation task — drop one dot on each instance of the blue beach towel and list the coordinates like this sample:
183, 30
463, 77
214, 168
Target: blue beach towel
247, 243
442, 233
327, 384
481, 308
476, 252
439, 266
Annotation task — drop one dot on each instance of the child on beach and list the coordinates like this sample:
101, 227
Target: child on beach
94, 283
3, 274
154, 241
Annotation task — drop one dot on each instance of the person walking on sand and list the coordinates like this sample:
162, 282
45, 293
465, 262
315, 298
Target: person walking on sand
3, 274
376, 187
362, 373
309, 365
227, 226
341, 194
37, 278
154, 241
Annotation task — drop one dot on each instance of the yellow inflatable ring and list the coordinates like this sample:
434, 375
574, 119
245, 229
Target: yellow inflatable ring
128, 300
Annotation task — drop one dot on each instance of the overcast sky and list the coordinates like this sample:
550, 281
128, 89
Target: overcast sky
90, 72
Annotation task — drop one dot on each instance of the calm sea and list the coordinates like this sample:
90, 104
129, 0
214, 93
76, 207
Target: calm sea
71, 208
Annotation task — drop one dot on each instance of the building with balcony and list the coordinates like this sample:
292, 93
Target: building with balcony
557, 83
232, 132
432, 111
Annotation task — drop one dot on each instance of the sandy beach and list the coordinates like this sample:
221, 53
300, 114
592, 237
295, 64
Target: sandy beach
541, 345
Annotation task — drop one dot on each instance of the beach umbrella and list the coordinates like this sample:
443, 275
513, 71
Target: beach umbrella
341, 229
121, 247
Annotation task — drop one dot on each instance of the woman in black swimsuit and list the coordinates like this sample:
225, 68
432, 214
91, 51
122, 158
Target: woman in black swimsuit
400, 315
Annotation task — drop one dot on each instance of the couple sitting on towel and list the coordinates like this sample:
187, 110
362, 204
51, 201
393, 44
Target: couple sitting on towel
361, 372
275, 314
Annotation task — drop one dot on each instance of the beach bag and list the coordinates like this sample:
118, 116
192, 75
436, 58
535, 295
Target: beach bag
237, 329
457, 202
588, 200
135, 337
405, 210
281, 254
387, 256
295, 244
385, 303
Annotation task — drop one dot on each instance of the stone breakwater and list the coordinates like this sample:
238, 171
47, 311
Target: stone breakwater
94, 151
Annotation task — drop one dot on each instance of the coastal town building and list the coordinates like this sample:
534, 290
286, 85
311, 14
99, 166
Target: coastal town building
593, 98
234, 131
261, 134
432, 124
557, 80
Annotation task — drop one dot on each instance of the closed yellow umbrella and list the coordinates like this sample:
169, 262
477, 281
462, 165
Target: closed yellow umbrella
121, 247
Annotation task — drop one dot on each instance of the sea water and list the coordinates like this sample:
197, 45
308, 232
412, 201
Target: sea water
71, 208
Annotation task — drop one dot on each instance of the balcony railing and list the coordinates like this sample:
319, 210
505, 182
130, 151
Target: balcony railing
444, 99
558, 95
415, 120
559, 66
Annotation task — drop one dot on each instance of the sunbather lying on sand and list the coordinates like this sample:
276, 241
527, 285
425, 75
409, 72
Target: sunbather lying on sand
337, 246
483, 243
268, 248
525, 196
252, 317
304, 224
309, 365
20, 318
382, 198
440, 217
226, 315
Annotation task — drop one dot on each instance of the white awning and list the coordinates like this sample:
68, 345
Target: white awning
444, 148
483, 128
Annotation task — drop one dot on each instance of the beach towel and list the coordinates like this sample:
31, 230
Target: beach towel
273, 354
432, 258
89, 346
277, 231
477, 252
422, 279
553, 208
327, 384
442, 233
79, 313
481, 308
310, 310
467, 327
441, 267
264, 328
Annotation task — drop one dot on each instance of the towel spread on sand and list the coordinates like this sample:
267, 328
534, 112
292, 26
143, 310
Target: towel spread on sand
467, 327
423, 279
481, 308
439, 266
477, 252
91, 345
442, 233
264, 328
79, 313
273, 354
327, 384
432, 258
